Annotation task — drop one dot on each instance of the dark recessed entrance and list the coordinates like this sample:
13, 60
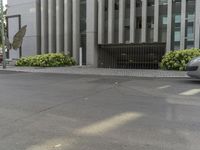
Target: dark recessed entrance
131, 56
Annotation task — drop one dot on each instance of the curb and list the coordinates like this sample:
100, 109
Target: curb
102, 72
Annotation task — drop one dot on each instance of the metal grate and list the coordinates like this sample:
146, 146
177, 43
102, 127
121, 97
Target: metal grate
131, 56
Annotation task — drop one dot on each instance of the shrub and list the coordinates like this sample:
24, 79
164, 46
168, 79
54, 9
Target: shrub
177, 60
46, 60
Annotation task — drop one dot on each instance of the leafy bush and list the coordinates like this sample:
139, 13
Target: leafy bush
177, 60
46, 60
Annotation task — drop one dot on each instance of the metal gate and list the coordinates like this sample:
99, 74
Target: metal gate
131, 56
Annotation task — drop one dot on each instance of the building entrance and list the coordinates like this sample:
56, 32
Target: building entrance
131, 56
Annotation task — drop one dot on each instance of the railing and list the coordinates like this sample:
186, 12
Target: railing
130, 56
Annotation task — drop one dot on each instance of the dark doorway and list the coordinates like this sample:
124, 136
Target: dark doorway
130, 56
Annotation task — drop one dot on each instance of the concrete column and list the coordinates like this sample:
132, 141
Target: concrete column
60, 26
44, 26
68, 27
197, 25
52, 26
132, 20
169, 25
156, 20
76, 28
38, 25
92, 28
111, 21
144, 21
101, 21
121, 20
183, 23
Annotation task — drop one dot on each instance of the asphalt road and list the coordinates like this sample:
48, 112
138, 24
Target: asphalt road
65, 112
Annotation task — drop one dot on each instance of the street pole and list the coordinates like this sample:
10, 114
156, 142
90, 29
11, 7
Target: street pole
3, 34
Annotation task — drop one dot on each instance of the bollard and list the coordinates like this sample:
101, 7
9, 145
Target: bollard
80, 57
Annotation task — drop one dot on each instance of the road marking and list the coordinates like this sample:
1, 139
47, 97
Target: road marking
58, 145
94, 129
65, 142
190, 92
109, 124
164, 87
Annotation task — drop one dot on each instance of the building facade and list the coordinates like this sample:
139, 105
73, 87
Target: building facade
66, 25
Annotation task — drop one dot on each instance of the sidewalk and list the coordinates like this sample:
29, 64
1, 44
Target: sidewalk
100, 71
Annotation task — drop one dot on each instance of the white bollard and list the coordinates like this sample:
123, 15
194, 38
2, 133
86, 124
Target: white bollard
80, 57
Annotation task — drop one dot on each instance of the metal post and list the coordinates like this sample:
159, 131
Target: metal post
80, 57
3, 35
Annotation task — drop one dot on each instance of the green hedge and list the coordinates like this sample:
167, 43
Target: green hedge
46, 60
177, 60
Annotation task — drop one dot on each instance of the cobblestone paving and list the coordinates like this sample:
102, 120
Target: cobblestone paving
101, 71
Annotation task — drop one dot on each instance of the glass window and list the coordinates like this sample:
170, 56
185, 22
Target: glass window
163, 20
190, 23
83, 16
177, 35
191, 17
190, 33
150, 3
138, 3
177, 18
163, 2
